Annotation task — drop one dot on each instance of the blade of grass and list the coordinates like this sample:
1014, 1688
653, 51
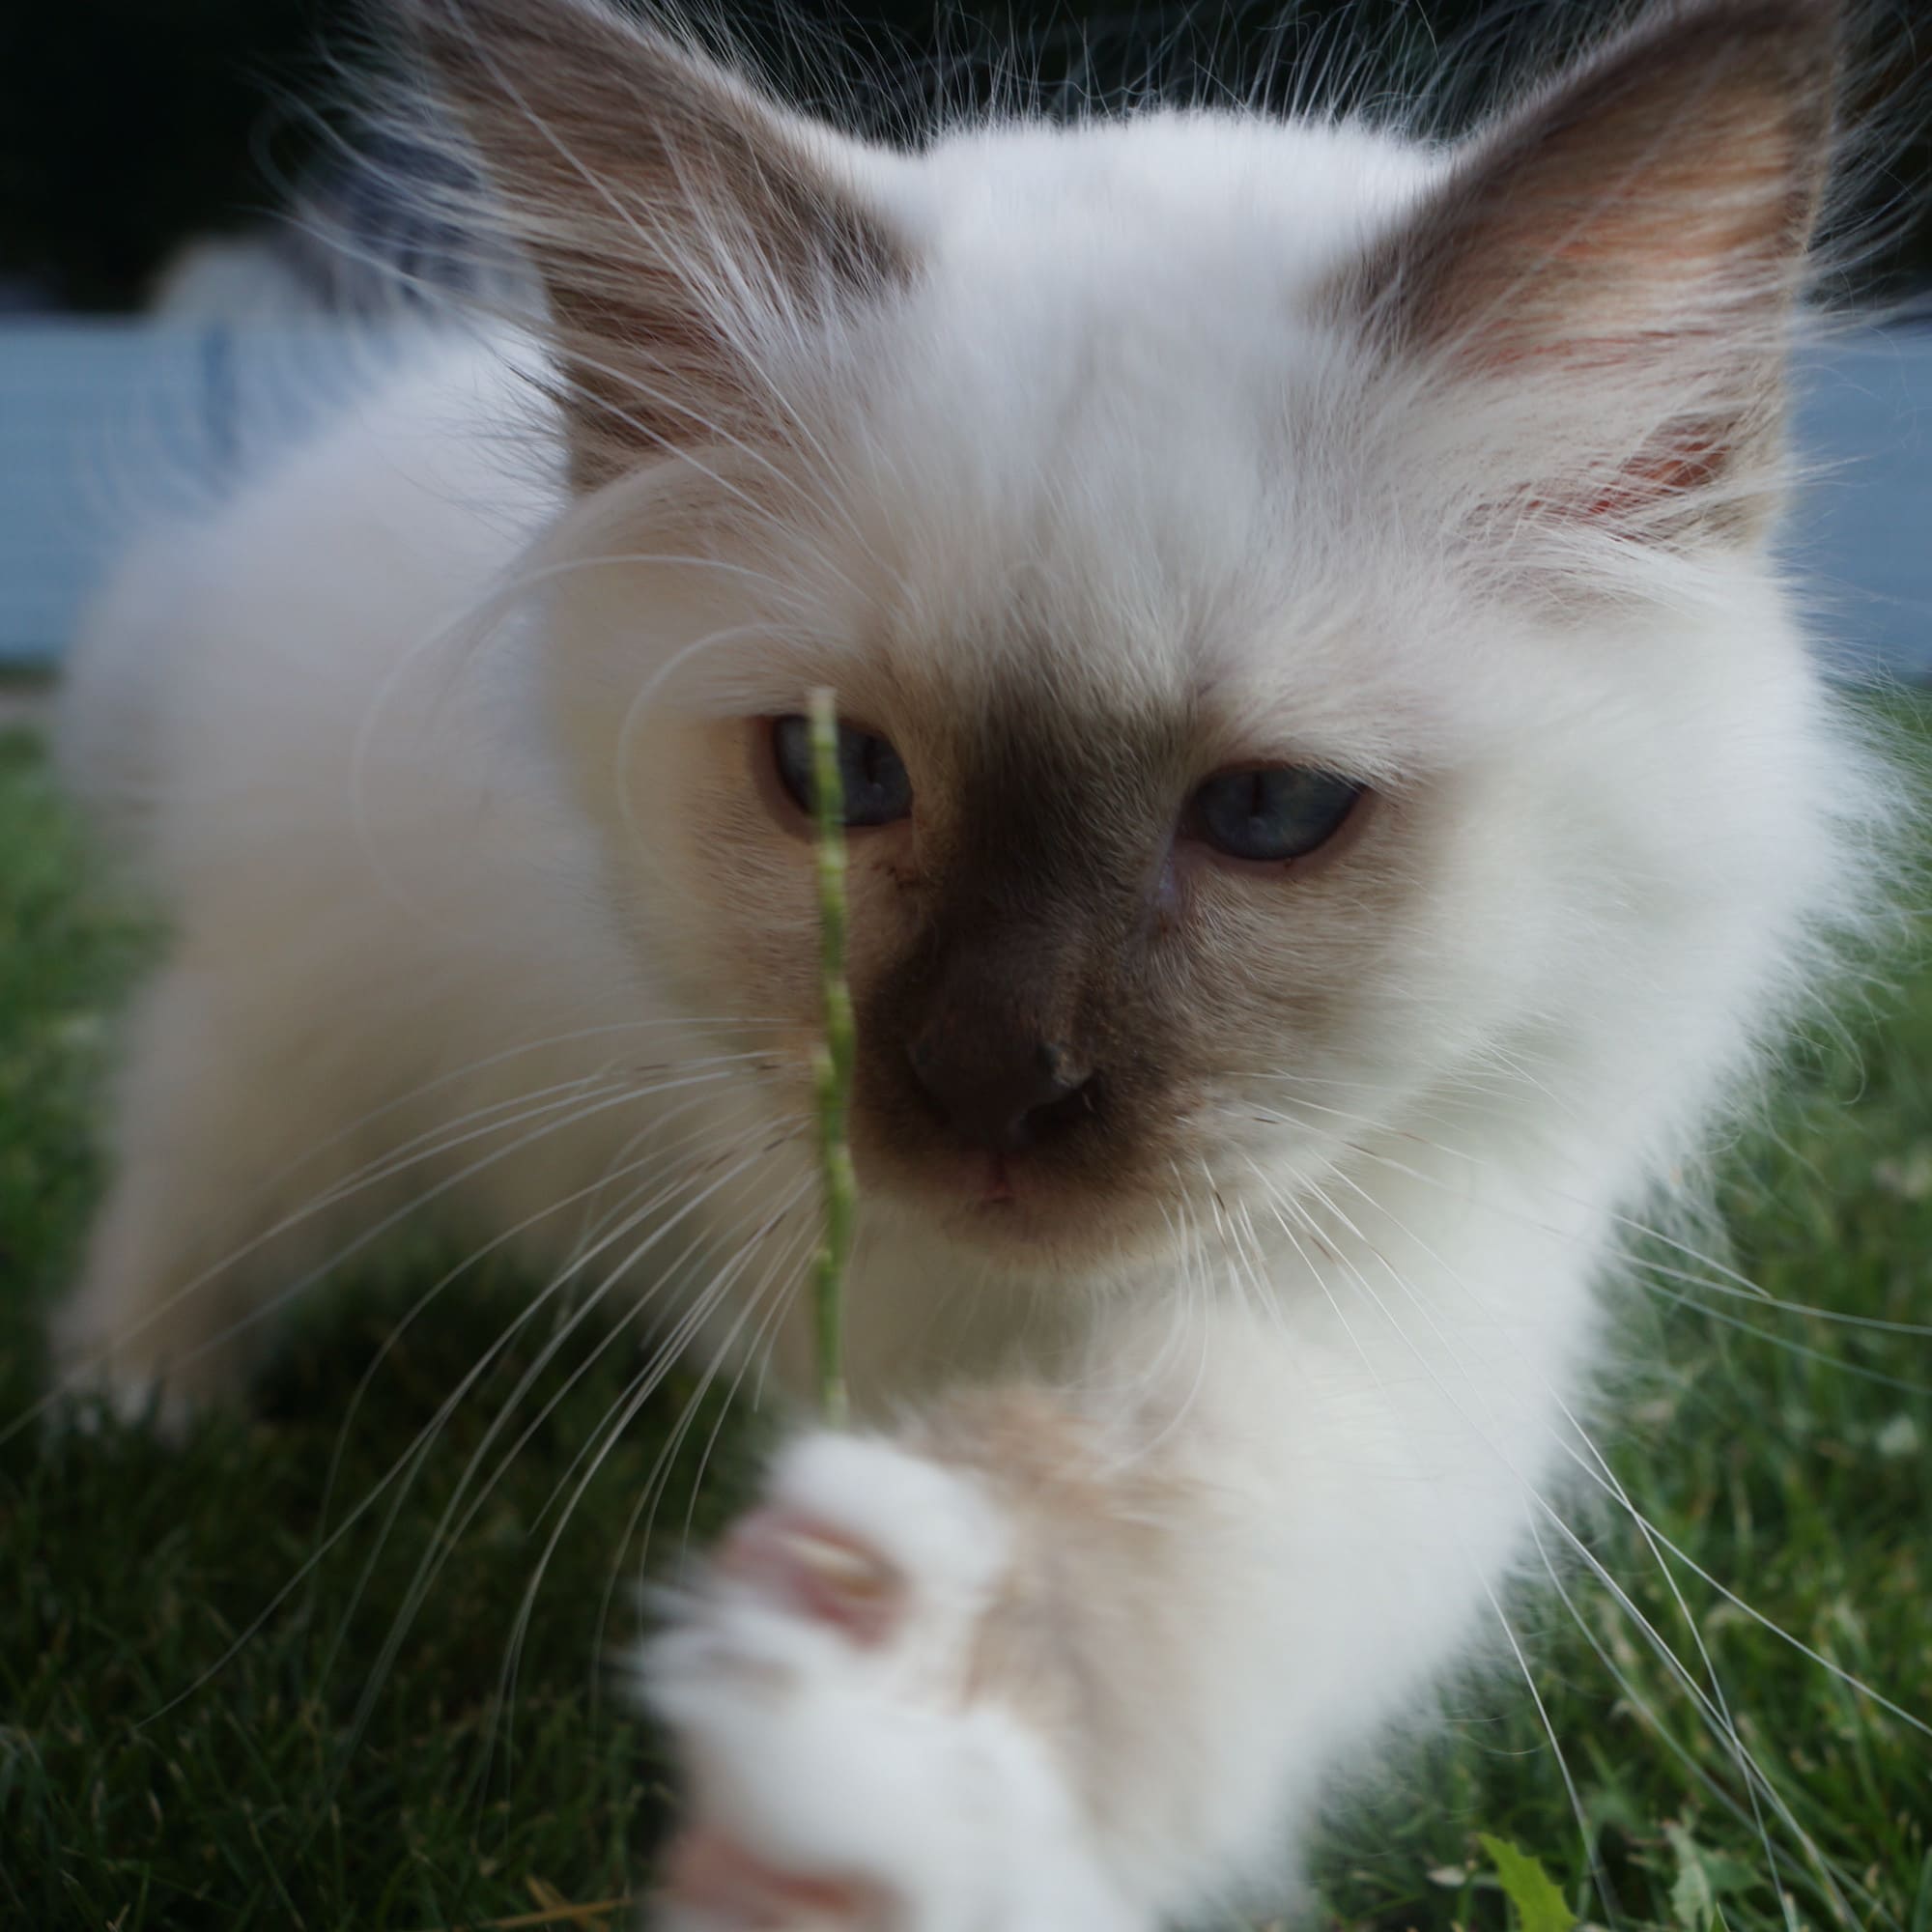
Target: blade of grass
832, 1064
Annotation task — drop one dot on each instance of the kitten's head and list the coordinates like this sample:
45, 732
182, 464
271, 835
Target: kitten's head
1297, 600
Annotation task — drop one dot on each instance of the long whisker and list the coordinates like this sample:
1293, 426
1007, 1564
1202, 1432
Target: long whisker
575, 1264
1758, 1781
786, 1271
462, 1129
1722, 1279
262, 1310
409, 1459
483, 1064
441, 1540
1717, 1702
629, 1405
604, 1438
632, 1400
1283, 1205
1600, 1879
1653, 1719
1598, 1469
586, 1195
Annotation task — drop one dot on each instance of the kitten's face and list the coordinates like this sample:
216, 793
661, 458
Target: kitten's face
1092, 470
1075, 1015
1086, 1026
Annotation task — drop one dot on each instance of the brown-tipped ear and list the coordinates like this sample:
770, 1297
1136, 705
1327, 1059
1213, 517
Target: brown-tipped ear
1638, 227
682, 225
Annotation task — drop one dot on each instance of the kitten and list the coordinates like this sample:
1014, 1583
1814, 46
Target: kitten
1340, 805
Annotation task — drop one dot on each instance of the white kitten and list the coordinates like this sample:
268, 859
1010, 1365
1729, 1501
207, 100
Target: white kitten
1341, 801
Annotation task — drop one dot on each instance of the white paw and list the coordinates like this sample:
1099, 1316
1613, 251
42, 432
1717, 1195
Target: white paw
144, 1375
843, 1770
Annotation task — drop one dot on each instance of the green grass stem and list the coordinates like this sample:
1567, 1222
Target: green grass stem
832, 1063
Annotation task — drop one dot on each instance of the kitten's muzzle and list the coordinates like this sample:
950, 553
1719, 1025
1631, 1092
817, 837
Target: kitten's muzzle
1000, 1088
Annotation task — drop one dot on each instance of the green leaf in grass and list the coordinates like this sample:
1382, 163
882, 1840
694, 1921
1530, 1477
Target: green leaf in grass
1540, 1906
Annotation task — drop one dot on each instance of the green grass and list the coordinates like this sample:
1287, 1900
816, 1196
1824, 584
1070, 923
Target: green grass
218, 1705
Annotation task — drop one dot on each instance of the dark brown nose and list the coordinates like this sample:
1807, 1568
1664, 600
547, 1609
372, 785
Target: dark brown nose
999, 1089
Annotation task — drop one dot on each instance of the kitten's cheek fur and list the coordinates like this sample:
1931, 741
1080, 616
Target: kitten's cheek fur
853, 1777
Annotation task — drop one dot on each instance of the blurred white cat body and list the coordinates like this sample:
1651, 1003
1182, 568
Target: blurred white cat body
440, 746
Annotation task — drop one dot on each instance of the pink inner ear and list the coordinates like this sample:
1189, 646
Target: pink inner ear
1619, 258
817, 1571
1661, 473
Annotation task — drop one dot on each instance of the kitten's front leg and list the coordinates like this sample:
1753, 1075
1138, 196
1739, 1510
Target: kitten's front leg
162, 1318
1072, 1658
853, 1755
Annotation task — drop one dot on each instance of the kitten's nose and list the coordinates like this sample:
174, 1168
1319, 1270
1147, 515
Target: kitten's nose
1005, 1095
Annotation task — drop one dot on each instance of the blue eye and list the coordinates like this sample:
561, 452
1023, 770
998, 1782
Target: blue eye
1276, 813
878, 787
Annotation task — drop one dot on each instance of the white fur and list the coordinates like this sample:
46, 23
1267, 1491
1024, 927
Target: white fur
1112, 403
819, 1753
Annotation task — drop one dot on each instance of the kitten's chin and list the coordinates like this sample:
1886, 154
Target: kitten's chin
1017, 1213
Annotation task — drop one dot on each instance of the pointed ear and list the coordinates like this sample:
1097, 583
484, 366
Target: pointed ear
684, 228
1613, 267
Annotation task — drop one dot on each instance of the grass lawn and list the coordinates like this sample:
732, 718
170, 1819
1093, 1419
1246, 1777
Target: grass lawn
263, 1680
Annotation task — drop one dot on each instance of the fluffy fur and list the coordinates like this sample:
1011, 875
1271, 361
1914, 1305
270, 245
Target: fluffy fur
1085, 462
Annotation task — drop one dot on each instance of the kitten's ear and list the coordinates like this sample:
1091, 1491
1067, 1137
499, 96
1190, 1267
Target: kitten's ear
1613, 267
685, 228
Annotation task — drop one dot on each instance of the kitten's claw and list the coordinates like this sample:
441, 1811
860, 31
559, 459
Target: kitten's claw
712, 1885
847, 1766
818, 1571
